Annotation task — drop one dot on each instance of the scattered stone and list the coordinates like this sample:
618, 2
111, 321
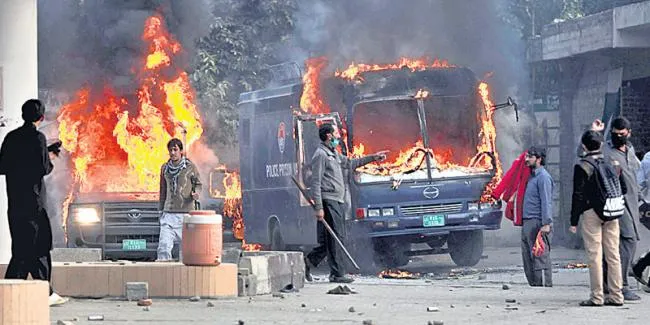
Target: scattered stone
436, 322
145, 302
64, 322
488, 306
145, 308
505, 287
96, 317
76, 319
195, 299
452, 306
289, 288
541, 312
351, 309
374, 305
210, 304
482, 277
512, 308
137, 290
367, 322
511, 301
240, 322
433, 309
278, 295
427, 281
303, 305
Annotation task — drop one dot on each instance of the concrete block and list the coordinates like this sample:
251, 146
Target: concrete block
137, 290
231, 255
76, 255
247, 285
274, 270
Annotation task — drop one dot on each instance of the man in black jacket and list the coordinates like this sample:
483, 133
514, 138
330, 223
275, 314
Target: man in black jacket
598, 235
25, 160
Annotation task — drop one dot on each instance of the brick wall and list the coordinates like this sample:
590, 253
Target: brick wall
636, 107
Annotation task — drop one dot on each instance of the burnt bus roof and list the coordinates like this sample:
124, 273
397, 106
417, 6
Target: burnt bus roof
452, 81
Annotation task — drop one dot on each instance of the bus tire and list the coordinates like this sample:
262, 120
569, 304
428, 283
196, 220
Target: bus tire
466, 247
277, 243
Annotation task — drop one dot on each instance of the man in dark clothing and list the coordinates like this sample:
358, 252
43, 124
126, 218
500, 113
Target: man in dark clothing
328, 192
601, 238
538, 217
621, 152
25, 160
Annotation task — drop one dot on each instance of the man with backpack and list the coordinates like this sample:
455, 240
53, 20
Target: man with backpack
598, 196
619, 150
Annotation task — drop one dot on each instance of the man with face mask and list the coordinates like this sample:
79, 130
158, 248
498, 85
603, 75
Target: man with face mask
622, 154
327, 189
537, 218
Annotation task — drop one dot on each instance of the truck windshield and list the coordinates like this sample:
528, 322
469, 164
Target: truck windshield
452, 127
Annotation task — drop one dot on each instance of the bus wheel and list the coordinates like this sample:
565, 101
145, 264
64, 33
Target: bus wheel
466, 247
277, 243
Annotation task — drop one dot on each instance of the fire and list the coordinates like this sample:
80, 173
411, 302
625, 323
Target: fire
118, 144
488, 137
250, 247
312, 100
232, 206
354, 70
397, 274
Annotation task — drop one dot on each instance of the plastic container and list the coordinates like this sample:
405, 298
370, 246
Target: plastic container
202, 238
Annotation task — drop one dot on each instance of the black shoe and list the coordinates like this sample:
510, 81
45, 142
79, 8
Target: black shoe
638, 275
340, 279
589, 303
610, 302
630, 296
308, 276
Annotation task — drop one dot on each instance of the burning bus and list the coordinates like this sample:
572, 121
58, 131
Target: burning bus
434, 188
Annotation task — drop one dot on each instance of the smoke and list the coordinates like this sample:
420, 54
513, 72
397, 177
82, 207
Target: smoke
98, 42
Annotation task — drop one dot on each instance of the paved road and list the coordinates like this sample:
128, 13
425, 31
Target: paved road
476, 296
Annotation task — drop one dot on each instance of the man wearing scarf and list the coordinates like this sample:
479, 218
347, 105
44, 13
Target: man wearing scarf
180, 185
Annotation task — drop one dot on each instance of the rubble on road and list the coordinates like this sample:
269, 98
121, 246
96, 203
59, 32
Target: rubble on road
145, 302
195, 299
398, 274
210, 304
511, 301
435, 322
145, 308
433, 309
341, 290
577, 266
351, 309
505, 287
96, 317
64, 322
367, 322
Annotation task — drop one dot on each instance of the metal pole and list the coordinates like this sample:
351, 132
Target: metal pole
425, 134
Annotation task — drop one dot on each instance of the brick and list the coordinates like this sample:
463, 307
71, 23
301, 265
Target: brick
137, 290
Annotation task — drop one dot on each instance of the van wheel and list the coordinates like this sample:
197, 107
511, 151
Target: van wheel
277, 243
466, 247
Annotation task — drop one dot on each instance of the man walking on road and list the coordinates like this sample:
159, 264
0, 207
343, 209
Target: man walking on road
619, 151
537, 219
600, 230
180, 186
327, 188
25, 160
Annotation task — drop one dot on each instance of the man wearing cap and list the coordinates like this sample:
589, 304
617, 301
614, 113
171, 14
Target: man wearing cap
25, 160
537, 218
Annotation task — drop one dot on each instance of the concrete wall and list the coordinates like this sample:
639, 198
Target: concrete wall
18, 80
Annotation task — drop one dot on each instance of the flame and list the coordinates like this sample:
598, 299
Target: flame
397, 274
354, 70
488, 135
118, 145
250, 247
312, 100
232, 206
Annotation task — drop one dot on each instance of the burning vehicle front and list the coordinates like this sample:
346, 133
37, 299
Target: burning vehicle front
435, 186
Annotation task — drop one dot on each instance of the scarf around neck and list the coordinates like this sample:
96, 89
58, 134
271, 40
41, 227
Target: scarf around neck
174, 170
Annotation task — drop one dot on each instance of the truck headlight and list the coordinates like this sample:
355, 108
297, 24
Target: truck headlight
388, 212
86, 215
473, 206
374, 212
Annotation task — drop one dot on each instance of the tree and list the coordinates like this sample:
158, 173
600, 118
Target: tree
232, 58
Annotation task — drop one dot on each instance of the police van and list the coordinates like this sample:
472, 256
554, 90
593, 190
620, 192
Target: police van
388, 210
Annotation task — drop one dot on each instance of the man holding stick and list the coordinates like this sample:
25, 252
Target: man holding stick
327, 189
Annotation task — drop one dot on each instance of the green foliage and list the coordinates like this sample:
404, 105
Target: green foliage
232, 58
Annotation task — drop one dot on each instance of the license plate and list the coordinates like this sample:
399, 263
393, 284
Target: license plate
433, 220
134, 244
